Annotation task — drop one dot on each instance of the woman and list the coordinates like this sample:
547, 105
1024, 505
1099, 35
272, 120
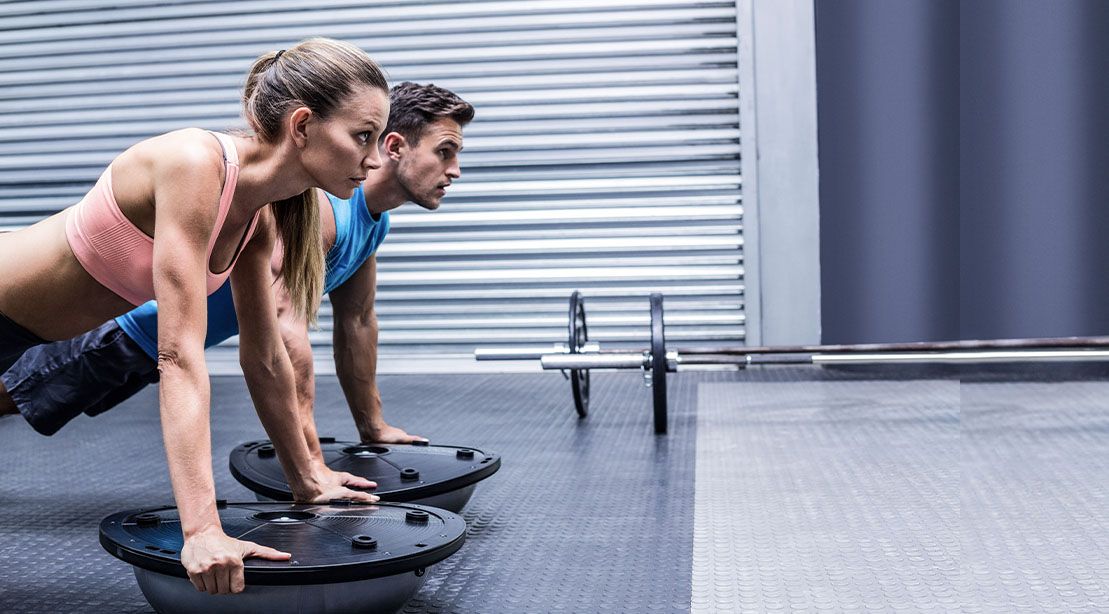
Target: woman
172, 218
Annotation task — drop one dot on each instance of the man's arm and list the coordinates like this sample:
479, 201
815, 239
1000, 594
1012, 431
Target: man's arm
355, 338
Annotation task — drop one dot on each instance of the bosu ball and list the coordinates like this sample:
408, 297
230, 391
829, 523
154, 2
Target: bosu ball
440, 476
347, 557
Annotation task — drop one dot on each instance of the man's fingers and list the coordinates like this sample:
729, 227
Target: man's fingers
365, 497
198, 581
265, 552
349, 479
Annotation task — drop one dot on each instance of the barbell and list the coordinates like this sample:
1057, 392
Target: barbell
579, 356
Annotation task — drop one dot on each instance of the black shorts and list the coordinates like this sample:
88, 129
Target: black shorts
53, 383
14, 340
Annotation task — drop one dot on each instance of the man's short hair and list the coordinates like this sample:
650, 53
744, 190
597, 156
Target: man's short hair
413, 106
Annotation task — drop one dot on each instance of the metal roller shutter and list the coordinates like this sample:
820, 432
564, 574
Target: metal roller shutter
604, 156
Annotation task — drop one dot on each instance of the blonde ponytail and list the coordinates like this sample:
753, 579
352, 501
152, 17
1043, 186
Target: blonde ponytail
302, 260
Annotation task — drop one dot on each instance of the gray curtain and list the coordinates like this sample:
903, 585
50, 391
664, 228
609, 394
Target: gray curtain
962, 159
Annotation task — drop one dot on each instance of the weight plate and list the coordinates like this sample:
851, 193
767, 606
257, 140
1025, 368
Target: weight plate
579, 335
658, 363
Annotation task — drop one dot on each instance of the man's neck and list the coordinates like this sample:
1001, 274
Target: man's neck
382, 191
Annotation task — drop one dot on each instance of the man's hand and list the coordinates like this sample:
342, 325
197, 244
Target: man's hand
388, 434
327, 485
214, 560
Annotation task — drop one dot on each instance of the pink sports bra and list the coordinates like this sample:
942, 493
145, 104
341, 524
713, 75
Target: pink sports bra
119, 255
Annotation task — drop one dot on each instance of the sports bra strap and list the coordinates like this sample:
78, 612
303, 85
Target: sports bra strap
229, 154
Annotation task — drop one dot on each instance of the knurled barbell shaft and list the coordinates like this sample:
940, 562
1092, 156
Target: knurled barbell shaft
916, 346
976, 357
961, 357
801, 354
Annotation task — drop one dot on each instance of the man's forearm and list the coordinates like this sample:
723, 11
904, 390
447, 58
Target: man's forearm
356, 366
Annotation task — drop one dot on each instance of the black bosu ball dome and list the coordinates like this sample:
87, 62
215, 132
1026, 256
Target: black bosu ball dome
347, 557
435, 475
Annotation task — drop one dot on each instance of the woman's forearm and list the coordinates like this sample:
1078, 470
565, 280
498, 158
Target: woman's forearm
184, 400
294, 334
269, 378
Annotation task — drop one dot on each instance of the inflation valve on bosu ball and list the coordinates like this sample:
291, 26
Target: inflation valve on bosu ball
346, 557
440, 476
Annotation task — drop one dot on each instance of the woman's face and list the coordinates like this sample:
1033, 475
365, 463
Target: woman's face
342, 149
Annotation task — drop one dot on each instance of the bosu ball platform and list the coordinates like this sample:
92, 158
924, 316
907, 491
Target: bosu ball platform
439, 476
346, 557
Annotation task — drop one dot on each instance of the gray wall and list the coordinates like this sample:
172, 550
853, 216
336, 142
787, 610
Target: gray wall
962, 157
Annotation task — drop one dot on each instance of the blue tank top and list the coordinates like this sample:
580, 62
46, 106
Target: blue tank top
357, 237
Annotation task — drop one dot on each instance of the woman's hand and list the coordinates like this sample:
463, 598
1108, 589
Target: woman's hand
214, 560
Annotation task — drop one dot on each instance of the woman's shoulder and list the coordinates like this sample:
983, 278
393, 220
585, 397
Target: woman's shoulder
187, 150
188, 160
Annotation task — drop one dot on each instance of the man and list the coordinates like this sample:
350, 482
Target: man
51, 384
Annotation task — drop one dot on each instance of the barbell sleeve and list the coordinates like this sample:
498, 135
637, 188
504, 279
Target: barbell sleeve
622, 360
528, 353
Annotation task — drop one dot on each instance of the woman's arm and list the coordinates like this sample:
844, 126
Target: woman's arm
270, 377
187, 183
294, 334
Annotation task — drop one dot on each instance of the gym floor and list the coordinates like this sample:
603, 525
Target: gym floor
777, 489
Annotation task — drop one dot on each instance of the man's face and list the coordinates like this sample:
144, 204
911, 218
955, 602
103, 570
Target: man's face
430, 165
